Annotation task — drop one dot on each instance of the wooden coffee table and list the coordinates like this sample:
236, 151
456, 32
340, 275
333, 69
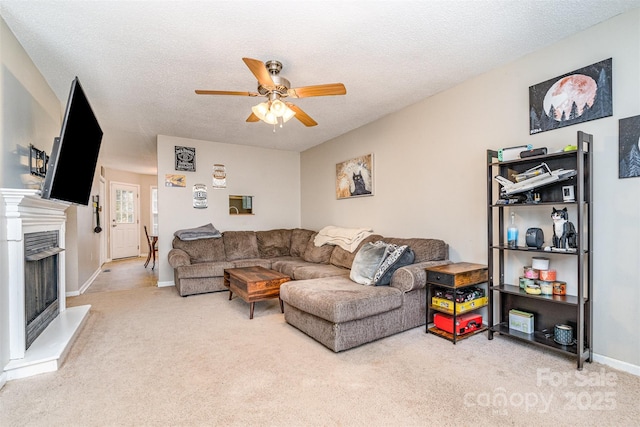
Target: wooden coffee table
254, 284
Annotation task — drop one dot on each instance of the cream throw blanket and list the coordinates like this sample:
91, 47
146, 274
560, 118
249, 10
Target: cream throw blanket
347, 238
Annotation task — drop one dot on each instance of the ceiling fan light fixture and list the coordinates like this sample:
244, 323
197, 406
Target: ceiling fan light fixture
278, 108
288, 114
270, 118
262, 112
270, 112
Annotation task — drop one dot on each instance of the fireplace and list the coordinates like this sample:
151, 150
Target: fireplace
40, 282
32, 266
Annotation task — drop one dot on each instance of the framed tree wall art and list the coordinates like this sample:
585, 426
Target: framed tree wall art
576, 97
629, 147
354, 177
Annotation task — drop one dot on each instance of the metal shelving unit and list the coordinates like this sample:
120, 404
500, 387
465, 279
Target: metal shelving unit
576, 309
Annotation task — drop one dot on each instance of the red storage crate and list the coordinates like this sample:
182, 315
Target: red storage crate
465, 323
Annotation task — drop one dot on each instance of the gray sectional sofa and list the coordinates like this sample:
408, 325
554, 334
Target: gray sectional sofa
320, 300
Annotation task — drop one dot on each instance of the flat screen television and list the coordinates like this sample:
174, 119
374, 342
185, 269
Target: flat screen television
74, 156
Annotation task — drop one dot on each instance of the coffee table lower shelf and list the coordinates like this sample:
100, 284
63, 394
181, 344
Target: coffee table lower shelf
454, 338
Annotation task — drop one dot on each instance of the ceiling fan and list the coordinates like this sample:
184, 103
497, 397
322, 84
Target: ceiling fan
276, 88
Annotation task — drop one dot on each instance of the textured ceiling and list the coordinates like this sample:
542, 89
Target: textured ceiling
140, 61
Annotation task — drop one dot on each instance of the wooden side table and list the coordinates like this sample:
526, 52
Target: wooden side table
453, 277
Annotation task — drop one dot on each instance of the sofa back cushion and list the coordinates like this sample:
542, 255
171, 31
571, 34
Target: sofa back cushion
424, 249
299, 239
343, 258
274, 243
202, 250
240, 245
317, 254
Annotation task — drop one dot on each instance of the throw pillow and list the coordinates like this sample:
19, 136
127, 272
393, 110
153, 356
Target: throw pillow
397, 256
367, 261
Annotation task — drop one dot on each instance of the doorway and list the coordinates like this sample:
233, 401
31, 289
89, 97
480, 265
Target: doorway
125, 226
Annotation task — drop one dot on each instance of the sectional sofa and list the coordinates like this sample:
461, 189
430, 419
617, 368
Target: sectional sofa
321, 300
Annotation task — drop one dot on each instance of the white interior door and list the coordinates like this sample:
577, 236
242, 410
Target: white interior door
125, 234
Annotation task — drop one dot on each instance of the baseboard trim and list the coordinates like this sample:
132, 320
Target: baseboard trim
166, 284
86, 284
617, 364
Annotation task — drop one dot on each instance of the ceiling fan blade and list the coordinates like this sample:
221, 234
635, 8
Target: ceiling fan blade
304, 118
253, 118
318, 90
260, 71
224, 92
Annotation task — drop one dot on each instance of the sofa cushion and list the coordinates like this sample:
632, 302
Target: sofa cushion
317, 254
343, 258
423, 249
288, 266
338, 299
202, 250
240, 245
274, 243
299, 239
252, 262
203, 269
315, 271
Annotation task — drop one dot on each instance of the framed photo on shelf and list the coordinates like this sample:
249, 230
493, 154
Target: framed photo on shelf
354, 177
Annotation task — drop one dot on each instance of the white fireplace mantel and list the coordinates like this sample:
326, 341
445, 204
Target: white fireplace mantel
24, 211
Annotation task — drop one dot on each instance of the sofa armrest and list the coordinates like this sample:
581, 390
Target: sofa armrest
178, 258
413, 276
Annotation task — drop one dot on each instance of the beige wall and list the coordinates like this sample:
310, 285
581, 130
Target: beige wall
272, 177
430, 170
30, 113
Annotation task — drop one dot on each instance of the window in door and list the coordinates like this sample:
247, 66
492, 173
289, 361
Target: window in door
154, 210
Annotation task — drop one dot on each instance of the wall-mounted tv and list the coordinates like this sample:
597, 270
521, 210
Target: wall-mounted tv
74, 156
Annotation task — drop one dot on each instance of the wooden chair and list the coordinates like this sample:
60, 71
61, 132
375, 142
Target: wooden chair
153, 249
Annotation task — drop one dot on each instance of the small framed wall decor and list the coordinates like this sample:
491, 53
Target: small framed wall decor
354, 177
173, 180
185, 159
219, 175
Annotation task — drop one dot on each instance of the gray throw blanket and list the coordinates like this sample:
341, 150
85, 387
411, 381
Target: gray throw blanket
203, 232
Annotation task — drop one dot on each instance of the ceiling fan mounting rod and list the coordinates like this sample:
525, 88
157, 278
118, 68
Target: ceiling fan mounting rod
274, 67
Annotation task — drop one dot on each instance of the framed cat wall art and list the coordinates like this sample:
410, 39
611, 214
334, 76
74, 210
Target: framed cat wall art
354, 177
